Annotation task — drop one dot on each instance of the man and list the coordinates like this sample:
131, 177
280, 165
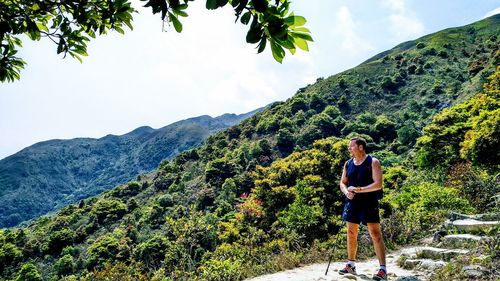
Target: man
361, 183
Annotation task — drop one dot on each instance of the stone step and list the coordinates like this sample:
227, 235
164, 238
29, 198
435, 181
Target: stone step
461, 241
433, 253
423, 264
471, 225
480, 217
475, 272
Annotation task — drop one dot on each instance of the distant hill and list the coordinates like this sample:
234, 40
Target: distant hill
51, 174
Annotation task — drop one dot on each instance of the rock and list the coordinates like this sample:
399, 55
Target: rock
433, 253
427, 241
473, 271
426, 264
408, 278
472, 225
480, 217
461, 240
438, 235
457, 216
431, 265
411, 263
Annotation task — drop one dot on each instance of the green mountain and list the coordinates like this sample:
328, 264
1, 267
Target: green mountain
49, 175
263, 195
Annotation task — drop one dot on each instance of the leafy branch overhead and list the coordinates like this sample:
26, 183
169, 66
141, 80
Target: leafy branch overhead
71, 24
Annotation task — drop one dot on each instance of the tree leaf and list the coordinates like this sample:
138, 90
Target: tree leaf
211, 4
235, 3
301, 43
278, 52
245, 19
262, 45
180, 13
260, 5
221, 3
288, 44
301, 35
42, 27
301, 29
177, 24
254, 34
295, 20
119, 30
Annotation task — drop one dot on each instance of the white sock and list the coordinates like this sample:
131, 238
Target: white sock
383, 267
350, 263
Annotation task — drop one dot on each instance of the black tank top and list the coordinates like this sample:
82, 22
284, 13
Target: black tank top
361, 175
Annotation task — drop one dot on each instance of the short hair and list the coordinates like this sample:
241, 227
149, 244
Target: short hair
360, 141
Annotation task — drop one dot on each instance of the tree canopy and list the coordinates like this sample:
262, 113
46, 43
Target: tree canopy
71, 24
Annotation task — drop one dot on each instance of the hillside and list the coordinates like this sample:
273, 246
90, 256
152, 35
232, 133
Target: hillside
263, 196
49, 175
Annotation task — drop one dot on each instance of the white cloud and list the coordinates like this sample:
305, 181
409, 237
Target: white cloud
405, 27
397, 6
351, 43
492, 13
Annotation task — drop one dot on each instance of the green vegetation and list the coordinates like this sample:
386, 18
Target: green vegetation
263, 196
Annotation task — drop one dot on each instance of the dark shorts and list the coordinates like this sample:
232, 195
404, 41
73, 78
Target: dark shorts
361, 211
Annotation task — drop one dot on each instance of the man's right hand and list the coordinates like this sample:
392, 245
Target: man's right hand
350, 192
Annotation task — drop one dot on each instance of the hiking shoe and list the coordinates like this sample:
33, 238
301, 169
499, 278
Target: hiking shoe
380, 276
348, 269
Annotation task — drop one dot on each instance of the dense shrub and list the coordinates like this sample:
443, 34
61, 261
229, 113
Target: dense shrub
108, 210
221, 270
59, 239
10, 255
28, 272
218, 170
166, 200
426, 204
64, 265
152, 252
103, 250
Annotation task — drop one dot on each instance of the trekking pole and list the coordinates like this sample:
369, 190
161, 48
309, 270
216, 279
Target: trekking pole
336, 240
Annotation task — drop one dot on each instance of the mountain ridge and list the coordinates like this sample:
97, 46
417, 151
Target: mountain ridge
122, 158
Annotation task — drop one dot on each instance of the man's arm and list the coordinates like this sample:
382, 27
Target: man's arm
377, 179
344, 181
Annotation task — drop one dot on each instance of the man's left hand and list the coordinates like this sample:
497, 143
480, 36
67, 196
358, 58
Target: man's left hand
352, 189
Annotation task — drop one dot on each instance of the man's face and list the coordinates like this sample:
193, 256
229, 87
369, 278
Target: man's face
354, 148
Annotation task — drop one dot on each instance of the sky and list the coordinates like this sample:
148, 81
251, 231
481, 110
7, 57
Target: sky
148, 77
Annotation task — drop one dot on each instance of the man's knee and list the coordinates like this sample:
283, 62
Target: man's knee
352, 233
375, 233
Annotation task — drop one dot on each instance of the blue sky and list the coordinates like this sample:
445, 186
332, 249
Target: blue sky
154, 78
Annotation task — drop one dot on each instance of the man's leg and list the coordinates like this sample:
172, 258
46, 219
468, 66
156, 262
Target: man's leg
352, 240
378, 241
